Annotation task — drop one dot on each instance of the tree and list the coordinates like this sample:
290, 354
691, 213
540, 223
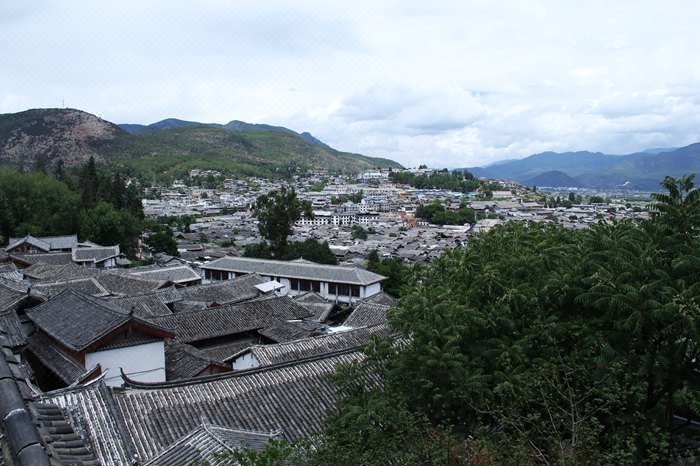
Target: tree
277, 211
358, 232
564, 346
108, 226
89, 184
162, 242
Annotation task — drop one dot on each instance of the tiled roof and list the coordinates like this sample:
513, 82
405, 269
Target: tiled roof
382, 298
282, 331
293, 397
223, 351
33, 433
366, 314
231, 319
95, 254
49, 272
30, 240
118, 282
48, 242
10, 296
57, 258
183, 361
77, 320
144, 305
60, 364
314, 346
302, 270
202, 444
176, 274
85, 285
225, 292
12, 327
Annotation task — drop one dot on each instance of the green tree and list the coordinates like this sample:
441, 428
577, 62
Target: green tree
89, 184
358, 232
108, 226
162, 242
277, 211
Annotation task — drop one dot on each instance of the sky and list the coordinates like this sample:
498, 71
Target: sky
443, 83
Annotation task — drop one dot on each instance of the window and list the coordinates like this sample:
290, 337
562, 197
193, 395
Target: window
304, 285
342, 289
210, 274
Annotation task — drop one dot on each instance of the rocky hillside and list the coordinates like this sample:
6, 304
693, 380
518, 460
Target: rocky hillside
67, 134
171, 146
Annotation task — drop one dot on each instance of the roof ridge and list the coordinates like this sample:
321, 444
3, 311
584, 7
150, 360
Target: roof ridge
130, 383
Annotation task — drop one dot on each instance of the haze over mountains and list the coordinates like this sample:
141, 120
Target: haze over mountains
169, 145
641, 170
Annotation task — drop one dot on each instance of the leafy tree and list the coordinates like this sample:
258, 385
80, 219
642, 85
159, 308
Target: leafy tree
37, 204
162, 242
108, 226
393, 268
276, 212
310, 249
358, 232
552, 345
89, 184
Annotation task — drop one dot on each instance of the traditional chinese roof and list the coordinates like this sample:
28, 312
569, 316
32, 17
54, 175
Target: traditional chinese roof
314, 346
94, 255
122, 283
366, 314
85, 285
291, 397
183, 361
177, 274
79, 321
382, 298
231, 319
225, 292
48, 272
290, 269
204, 442
56, 258
283, 330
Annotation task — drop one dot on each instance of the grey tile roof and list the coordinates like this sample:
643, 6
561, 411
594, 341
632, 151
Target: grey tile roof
282, 331
225, 292
223, 351
380, 298
202, 444
85, 285
183, 361
176, 274
50, 272
314, 346
77, 320
303, 270
366, 314
46, 242
293, 397
94, 254
231, 319
315, 303
30, 240
119, 282
56, 258
144, 305
33, 433
10, 296
61, 365
11, 327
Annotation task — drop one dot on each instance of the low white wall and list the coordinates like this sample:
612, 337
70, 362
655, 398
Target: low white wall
145, 363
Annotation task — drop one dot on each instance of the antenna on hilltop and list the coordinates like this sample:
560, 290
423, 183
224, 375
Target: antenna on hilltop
63, 103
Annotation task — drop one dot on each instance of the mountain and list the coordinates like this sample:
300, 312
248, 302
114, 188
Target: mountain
169, 148
641, 170
554, 178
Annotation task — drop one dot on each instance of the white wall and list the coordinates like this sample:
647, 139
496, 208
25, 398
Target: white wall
145, 363
372, 289
245, 361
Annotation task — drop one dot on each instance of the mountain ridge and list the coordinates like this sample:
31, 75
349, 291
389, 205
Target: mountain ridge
170, 145
639, 170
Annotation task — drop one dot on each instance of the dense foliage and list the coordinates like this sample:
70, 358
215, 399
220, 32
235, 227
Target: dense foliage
310, 249
538, 344
277, 211
100, 207
393, 268
436, 213
463, 182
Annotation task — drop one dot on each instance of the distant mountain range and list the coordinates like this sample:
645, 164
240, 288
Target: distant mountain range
641, 170
168, 146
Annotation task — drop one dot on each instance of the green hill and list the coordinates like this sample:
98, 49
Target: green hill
73, 136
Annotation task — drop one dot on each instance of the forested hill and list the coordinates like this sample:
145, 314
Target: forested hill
642, 170
45, 136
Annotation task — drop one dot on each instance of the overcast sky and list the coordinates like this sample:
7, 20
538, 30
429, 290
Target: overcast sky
450, 84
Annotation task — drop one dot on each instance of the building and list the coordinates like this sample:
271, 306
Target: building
79, 337
336, 283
